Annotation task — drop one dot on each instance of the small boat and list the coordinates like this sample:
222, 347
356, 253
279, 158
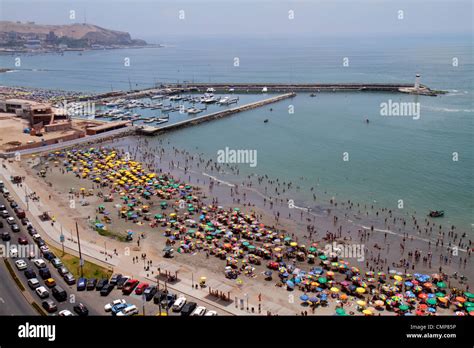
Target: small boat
436, 213
265, 121
193, 111
150, 120
312, 95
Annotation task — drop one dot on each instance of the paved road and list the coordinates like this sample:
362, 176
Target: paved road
12, 302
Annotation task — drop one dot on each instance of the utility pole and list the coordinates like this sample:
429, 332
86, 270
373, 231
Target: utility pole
27, 200
61, 238
81, 262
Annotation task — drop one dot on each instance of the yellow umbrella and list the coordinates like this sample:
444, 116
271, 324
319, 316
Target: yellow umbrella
361, 303
398, 278
334, 290
293, 244
367, 312
360, 290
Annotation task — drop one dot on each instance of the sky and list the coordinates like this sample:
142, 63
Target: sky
157, 20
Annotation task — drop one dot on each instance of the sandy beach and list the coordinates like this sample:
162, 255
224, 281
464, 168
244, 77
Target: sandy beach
383, 249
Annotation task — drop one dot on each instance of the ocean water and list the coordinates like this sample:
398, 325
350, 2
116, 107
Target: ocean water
391, 158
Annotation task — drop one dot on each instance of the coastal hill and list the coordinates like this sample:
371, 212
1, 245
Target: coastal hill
73, 35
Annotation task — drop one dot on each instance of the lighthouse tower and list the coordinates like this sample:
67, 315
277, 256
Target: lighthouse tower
417, 81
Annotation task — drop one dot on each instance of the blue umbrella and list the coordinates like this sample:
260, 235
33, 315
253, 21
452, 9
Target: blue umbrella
290, 284
314, 299
304, 298
408, 284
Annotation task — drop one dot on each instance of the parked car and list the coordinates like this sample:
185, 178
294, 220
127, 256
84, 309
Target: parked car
198, 311
59, 293
44, 273
168, 301
42, 292
179, 304
188, 308
48, 255
6, 236
21, 264
50, 282
63, 270
29, 274
24, 221
65, 313
10, 220
91, 283
13, 251
128, 311
50, 306
108, 306
22, 241
15, 228
33, 283
122, 281
101, 283
141, 287
4, 213
118, 308
107, 289
81, 310
149, 292
57, 263
115, 278
81, 284
69, 279
129, 286
210, 314
159, 296
39, 263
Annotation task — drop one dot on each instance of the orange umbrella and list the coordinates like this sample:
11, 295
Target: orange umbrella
460, 299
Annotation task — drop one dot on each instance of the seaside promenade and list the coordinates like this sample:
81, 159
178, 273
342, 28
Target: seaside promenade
99, 250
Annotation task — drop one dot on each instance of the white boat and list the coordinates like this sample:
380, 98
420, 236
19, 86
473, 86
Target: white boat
193, 111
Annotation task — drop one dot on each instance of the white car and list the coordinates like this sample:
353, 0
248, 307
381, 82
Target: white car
39, 263
10, 220
210, 314
13, 251
36, 236
21, 264
108, 306
44, 248
199, 311
130, 310
42, 292
65, 313
33, 283
179, 304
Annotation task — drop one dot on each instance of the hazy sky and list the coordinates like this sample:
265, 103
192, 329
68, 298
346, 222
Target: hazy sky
159, 19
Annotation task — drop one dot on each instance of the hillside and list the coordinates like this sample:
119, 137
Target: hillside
92, 34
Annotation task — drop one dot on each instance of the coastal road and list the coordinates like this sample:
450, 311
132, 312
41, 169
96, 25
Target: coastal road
12, 302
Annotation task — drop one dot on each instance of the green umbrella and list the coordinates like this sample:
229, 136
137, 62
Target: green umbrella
287, 239
237, 209
441, 285
322, 280
164, 204
312, 249
158, 216
440, 294
470, 309
323, 257
245, 243
252, 247
468, 304
340, 311
469, 294
209, 237
431, 301
404, 307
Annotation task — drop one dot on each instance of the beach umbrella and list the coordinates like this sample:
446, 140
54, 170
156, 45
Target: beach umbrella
404, 307
431, 301
322, 280
360, 290
379, 303
314, 299
361, 303
304, 298
397, 278
334, 290
340, 311
441, 285
367, 312
469, 295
